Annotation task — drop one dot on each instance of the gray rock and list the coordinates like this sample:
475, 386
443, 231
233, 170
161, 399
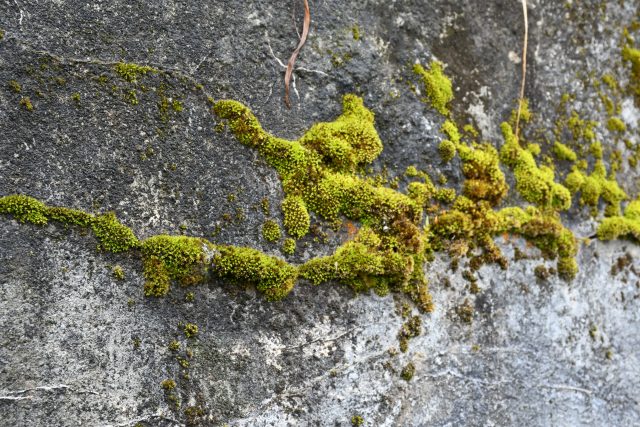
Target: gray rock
79, 347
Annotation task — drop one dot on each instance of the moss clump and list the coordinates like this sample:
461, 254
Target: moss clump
15, 86
447, 150
318, 173
355, 32
25, 102
632, 56
596, 186
271, 231
622, 226
465, 311
614, 124
357, 421
113, 236
408, 372
296, 217
437, 85
480, 166
535, 184
131, 72
118, 272
168, 384
270, 275
190, 330
168, 258
24, 209
410, 329
534, 149
563, 152
289, 246
372, 262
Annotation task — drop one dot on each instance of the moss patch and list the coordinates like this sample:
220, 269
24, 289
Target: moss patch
437, 86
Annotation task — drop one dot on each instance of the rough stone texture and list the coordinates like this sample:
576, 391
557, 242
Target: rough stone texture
537, 353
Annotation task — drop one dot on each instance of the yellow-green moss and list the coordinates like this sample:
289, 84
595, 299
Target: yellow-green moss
190, 330
437, 86
168, 384
25, 102
632, 56
534, 149
535, 184
289, 246
447, 150
24, 209
408, 371
296, 216
357, 421
168, 258
15, 86
355, 32
271, 231
270, 275
118, 272
614, 124
596, 186
131, 72
372, 261
563, 152
622, 226
112, 235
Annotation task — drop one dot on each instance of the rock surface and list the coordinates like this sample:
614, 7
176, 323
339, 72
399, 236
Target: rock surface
80, 347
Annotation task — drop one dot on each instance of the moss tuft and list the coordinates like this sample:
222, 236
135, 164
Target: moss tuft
563, 152
622, 226
437, 85
24, 209
113, 236
270, 275
296, 217
535, 184
447, 150
271, 231
289, 246
131, 72
614, 124
168, 258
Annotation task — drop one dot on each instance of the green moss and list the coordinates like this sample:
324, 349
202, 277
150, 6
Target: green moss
534, 149
25, 102
168, 384
596, 186
75, 97
535, 184
581, 129
24, 209
131, 72
177, 106
15, 86
525, 113
408, 372
270, 275
118, 272
563, 152
447, 150
627, 226
614, 124
438, 87
174, 345
355, 32
296, 216
289, 246
190, 330
169, 258
632, 56
271, 231
112, 235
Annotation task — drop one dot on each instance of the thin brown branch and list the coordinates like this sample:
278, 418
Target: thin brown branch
524, 65
294, 55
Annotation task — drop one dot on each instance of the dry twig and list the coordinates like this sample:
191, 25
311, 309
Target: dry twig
524, 64
294, 55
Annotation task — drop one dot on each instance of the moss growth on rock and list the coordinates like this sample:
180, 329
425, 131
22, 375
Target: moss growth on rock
289, 246
563, 152
627, 226
614, 124
408, 372
113, 235
169, 258
437, 86
271, 276
271, 231
296, 216
24, 209
535, 184
447, 150
596, 186
131, 72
